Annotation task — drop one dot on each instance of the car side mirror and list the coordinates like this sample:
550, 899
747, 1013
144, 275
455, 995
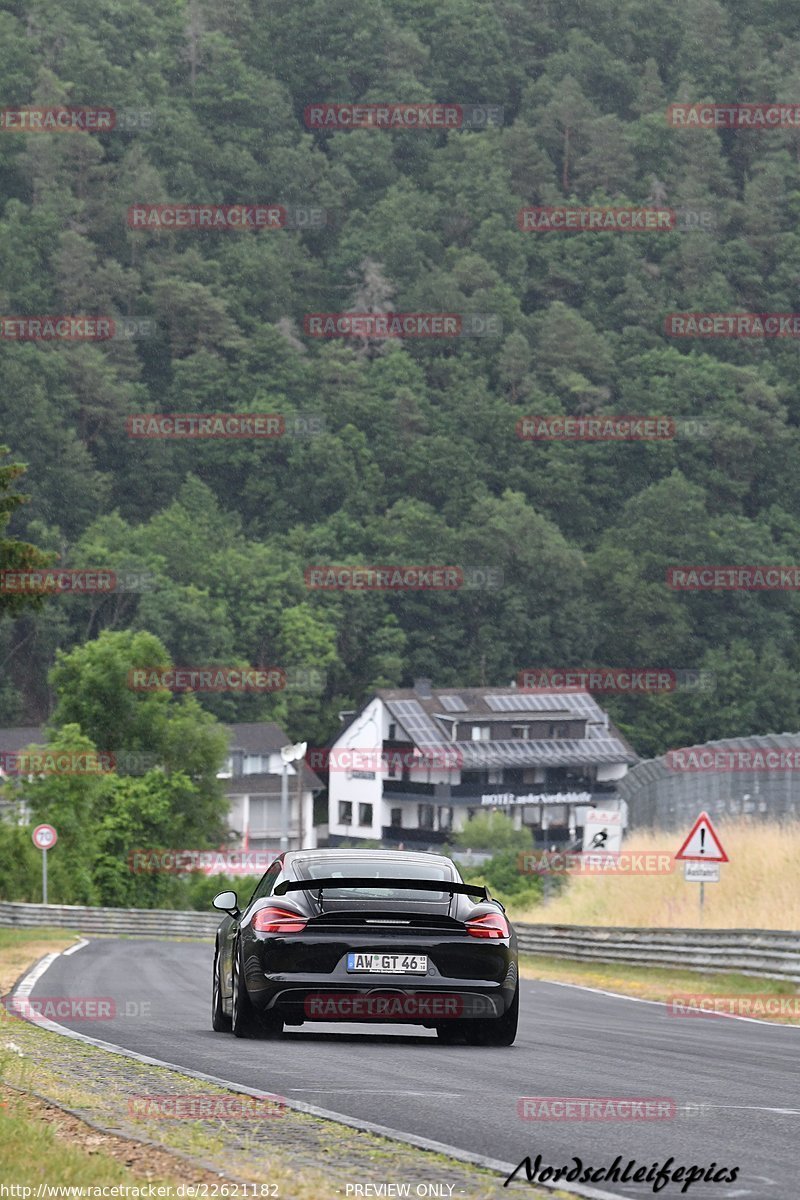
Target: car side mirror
226, 902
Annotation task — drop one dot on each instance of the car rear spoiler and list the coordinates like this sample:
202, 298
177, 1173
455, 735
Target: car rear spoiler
414, 885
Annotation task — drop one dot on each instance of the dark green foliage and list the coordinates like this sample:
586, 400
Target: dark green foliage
418, 461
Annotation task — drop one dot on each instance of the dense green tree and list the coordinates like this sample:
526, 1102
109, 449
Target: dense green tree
411, 452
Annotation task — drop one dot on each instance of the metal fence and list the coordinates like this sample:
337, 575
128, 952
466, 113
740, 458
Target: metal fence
661, 796
768, 953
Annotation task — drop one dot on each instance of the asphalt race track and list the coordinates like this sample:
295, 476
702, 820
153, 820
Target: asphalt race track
744, 1075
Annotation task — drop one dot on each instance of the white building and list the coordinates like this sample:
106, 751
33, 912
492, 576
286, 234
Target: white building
414, 764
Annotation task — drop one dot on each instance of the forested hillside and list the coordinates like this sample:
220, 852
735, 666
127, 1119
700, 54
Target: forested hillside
418, 459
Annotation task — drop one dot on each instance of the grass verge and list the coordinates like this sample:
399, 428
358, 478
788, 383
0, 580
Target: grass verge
661, 983
757, 888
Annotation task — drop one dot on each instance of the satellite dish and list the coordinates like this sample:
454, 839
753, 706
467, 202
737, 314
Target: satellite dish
292, 753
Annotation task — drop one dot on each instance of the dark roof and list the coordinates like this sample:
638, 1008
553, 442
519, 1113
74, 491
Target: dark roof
428, 721
257, 737
19, 736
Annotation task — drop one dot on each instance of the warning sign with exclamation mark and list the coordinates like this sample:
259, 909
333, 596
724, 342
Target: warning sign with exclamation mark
703, 844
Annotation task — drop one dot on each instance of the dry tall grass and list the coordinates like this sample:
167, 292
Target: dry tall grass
759, 888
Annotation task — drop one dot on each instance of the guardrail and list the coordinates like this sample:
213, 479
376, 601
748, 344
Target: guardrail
143, 922
768, 953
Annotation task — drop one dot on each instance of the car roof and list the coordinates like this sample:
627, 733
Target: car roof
344, 852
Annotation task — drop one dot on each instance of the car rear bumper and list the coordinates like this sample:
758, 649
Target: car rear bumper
305, 978
384, 999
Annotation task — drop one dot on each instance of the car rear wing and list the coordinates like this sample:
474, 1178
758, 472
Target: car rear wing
413, 885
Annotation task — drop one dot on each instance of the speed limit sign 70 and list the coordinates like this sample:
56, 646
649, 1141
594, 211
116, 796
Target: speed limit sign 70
44, 837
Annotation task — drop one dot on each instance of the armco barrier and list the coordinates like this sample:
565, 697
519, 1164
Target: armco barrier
768, 953
143, 922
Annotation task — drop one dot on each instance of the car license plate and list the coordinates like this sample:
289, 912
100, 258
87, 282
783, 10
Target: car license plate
389, 964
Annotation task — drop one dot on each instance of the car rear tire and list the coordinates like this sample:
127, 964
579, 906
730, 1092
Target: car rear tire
502, 1031
220, 1021
242, 1012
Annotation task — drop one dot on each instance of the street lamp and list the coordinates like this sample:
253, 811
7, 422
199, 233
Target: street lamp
288, 754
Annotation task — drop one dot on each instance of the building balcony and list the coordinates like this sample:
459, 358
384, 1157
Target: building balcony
405, 789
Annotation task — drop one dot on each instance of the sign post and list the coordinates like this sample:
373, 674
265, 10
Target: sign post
44, 837
290, 754
702, 852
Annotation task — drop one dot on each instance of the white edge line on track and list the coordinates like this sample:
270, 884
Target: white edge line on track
78, 946
25, 987
582, 987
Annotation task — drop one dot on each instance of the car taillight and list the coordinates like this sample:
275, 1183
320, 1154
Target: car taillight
278, 920
491, 925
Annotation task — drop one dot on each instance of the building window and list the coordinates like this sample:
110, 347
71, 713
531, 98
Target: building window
345, 812
481, 733
392, 731
365, 814
445, 817
520, 732
495, 775
396, 818
425, 816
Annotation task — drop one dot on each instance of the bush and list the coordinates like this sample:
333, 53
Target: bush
493, 831
506, 883
201, 889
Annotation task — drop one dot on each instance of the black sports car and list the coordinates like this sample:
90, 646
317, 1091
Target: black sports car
366, 935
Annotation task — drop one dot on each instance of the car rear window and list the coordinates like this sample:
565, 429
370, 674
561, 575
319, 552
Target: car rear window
355, 868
